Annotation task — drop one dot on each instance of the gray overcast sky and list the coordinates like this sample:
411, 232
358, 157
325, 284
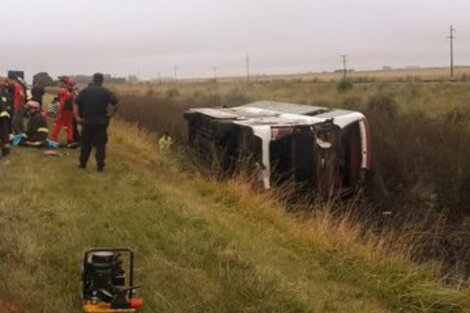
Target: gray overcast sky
151, 36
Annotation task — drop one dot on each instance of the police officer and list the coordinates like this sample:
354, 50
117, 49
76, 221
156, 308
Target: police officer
91, 110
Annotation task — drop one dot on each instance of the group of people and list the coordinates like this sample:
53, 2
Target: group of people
13, 110
88, 108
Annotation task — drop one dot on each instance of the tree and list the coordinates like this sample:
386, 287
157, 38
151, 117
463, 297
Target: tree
345, 84
43, 79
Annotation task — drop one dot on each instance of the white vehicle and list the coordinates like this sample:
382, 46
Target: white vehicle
319, 149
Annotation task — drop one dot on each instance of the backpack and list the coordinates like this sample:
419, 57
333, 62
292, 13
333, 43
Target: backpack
69, 105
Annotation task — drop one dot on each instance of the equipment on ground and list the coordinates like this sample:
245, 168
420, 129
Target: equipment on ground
19, 139
72, 145
107, 287
51, 144
52, 152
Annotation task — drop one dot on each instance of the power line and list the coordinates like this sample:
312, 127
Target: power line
214, 68
345, 67
452, 37
247, 68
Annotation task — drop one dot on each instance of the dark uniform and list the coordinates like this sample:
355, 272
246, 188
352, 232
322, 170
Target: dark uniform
4, 121
37, 93
11, 104
92, 103
36, 130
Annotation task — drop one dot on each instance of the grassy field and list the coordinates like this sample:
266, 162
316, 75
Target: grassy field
420, 135
432, 74
437, 100
410, 123
461, 73
201, 245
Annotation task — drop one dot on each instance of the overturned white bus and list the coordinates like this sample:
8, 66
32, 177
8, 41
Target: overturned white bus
320, 149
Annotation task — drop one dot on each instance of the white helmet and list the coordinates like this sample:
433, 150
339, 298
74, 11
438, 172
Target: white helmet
33, 105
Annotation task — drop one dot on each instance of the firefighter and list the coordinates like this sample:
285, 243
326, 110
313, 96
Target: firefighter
11, 102
36, 130
91, 110
19, 98
4, 119
65, 114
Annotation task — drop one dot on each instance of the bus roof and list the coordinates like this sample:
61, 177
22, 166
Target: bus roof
279, 114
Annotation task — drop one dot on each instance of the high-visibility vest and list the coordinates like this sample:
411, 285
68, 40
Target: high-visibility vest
165, 143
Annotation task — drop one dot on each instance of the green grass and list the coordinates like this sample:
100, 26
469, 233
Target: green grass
201, 246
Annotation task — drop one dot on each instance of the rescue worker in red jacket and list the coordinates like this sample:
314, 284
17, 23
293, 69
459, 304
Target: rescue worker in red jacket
19, 107
65, 114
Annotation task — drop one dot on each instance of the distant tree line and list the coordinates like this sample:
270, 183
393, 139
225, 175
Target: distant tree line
86, 79
45, 80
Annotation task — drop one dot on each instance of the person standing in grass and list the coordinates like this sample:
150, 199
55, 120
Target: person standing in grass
38, 92
165, 142
91, 110
65, 114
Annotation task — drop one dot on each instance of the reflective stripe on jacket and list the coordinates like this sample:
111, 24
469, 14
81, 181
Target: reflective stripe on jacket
165, 143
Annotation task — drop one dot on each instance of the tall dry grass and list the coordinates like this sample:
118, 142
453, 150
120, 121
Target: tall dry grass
162, 109
378, 261
420, 130
420, 135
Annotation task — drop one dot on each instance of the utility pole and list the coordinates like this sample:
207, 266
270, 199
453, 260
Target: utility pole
214, 68
345, 68
247, 60
175, 73
159, 78
451, 37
